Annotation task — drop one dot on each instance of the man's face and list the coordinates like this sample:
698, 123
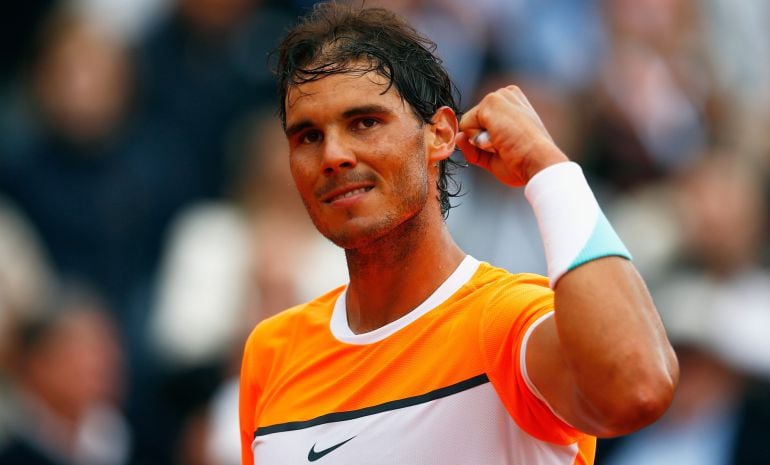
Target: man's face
357, 156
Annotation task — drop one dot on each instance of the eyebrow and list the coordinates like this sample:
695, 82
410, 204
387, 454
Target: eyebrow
349, 113
297, 127
366, 110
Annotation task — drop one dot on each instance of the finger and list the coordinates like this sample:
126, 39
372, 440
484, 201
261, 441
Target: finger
514, 94
469, 150
476, 132
469, 123
477, 118
473, 154
518, 98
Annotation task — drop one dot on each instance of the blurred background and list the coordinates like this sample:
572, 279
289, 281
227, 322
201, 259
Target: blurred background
148, 220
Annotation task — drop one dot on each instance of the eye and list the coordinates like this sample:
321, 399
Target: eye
366, 123
311, 137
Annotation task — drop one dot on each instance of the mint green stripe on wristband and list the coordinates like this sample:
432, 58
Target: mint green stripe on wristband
603, 242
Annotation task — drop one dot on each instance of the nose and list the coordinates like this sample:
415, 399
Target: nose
337, 156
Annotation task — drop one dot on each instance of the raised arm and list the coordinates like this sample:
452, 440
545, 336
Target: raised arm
602, 362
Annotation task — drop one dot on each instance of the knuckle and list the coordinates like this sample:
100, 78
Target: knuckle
486, 100
490, 100
514, 88
483, 114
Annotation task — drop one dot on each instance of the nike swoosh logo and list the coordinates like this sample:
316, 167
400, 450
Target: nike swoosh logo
314, 455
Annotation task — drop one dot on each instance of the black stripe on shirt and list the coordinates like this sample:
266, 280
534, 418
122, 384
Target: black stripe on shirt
384, 407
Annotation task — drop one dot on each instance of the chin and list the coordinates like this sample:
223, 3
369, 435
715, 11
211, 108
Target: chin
389, 229
356, 238
369, 227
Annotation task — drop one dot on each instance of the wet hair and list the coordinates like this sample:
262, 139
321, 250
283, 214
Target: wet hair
335, 38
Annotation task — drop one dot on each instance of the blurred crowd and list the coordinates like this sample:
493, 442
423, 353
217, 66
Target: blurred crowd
148, 220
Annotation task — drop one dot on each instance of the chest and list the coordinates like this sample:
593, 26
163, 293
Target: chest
459, 424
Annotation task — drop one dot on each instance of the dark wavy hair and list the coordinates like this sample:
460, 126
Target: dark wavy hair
335, 38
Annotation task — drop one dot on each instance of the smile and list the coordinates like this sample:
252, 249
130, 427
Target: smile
350, 193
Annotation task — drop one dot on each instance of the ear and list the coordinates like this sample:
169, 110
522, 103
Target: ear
441, 132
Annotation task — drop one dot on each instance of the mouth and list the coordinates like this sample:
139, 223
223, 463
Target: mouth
344, 193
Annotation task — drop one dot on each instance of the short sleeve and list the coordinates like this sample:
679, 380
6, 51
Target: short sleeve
512, 308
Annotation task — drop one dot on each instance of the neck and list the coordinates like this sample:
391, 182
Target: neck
394, 274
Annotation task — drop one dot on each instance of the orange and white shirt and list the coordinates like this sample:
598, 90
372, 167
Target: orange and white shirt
444, 384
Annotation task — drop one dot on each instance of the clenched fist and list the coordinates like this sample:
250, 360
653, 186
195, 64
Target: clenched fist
522, 145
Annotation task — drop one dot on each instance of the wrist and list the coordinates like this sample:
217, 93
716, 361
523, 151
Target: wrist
573, 228
546, 157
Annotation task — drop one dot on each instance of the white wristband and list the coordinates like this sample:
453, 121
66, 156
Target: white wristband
573, 227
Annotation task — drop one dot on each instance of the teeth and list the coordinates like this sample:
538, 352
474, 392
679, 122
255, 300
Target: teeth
360, 190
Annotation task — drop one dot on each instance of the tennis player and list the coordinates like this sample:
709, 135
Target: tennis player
429, 356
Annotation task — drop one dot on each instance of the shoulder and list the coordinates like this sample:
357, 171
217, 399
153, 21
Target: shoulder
506, 304
492, 275
295, 323
500, 286
278, 339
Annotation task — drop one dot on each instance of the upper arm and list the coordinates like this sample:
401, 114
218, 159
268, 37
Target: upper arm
603, 363
508, 325
550, 377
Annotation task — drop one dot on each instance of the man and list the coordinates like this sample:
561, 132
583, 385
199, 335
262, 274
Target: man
427, 355
65, 387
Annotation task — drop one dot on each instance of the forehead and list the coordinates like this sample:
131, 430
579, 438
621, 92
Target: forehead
337, 92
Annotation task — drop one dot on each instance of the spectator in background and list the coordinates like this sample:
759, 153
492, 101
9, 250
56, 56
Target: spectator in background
25, 274
201, 69
93, 177
736, 36
653, 94
717, 311
25, 279
65, 387
559, 42
97, 180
